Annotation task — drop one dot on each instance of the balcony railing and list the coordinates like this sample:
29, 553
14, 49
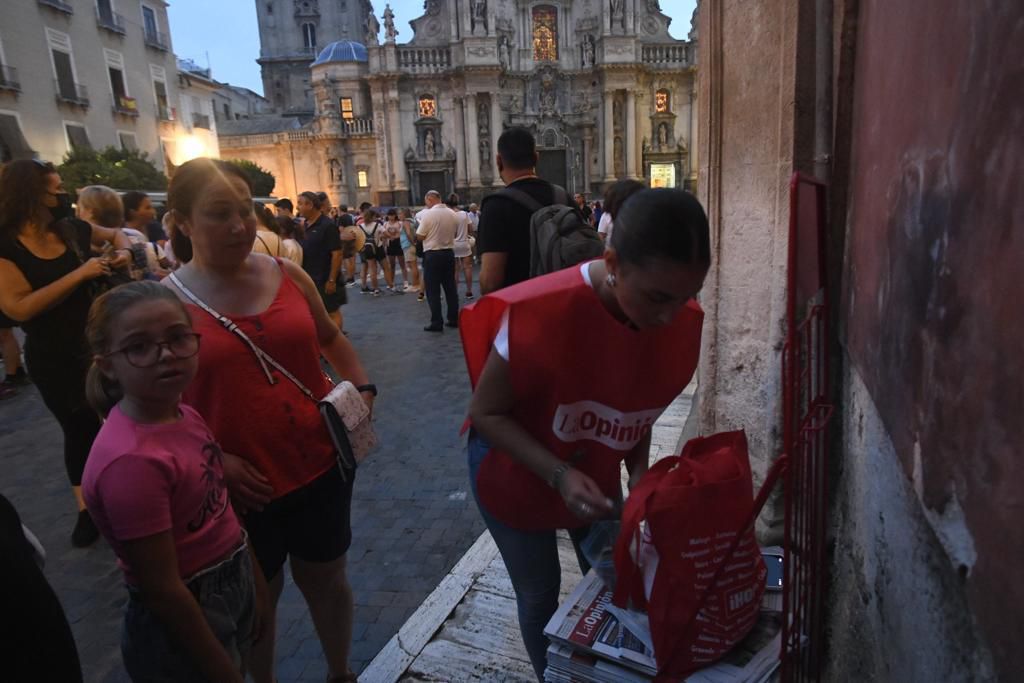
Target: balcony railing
9, 78
156, 40
357, 126
423, 60
673, 55
165, 113
126, 106
200, 120
58, 5
72, 93
111, 21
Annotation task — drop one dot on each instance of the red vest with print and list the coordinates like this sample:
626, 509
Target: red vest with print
586, 386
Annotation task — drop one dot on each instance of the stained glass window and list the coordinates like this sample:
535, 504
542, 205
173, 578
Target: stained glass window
662, 102
428, 106
545, 33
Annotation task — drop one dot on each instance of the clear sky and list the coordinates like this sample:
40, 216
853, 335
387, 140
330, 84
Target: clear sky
225, 33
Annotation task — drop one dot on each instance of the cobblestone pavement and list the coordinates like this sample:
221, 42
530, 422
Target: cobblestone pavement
412, 517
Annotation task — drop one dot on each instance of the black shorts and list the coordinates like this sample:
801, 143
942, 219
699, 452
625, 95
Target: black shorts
312, 523
395, 248
333, 302
373, 253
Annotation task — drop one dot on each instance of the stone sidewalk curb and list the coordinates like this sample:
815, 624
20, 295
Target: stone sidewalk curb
403, 648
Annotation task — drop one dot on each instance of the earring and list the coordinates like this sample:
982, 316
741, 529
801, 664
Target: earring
610, 279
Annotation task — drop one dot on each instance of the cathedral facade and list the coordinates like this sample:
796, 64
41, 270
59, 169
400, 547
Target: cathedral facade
607, 92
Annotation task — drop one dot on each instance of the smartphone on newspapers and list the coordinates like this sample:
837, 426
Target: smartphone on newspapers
773, 561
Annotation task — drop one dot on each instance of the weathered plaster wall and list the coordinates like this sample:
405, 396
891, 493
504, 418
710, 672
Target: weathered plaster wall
932, 298
899, 611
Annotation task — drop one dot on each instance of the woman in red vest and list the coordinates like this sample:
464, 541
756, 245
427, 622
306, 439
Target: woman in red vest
570, 372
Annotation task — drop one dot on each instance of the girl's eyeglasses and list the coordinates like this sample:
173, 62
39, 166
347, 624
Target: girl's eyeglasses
146, 354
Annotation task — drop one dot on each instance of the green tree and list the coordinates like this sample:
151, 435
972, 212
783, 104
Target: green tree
117, 168
261, 179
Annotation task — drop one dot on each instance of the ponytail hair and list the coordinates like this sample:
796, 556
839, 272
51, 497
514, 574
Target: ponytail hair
101, 391
665, 224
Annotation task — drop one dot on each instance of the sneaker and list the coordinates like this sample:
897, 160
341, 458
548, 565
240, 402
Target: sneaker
350, 283
376, 292
85, 533
366, 290
408, 287
397, 290
421, 296
469, 296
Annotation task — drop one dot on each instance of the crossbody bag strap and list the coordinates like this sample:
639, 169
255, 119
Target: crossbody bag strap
261, 356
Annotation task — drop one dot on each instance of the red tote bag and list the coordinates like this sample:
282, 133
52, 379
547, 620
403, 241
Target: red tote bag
687, 553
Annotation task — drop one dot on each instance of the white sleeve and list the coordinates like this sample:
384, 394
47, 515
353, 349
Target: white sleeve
604, 223
501, 339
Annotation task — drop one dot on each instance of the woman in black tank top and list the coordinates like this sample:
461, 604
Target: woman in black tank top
47, 280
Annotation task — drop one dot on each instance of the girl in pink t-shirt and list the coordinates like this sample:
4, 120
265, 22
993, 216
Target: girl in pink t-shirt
155, 485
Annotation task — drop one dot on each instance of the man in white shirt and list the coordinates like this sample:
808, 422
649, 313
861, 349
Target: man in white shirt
437, 229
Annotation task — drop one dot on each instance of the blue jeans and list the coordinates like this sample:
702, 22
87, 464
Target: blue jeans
226, 594
531, 558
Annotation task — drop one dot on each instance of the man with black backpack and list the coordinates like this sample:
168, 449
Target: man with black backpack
531, 227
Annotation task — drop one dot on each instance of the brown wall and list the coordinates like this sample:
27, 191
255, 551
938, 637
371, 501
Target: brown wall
934, 299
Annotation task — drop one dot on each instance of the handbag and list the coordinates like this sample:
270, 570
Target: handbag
345, 413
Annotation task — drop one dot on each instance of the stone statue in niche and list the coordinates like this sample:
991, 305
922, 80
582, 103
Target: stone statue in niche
504, 54
616, 7
483, 118
662, 136
334, 169
390, 32
515, 105
587, 51
548, 96
429, 148
617, 114
432, 7
485, 155
617, 156
478, 15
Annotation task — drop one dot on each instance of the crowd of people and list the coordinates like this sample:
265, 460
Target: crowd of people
206, 470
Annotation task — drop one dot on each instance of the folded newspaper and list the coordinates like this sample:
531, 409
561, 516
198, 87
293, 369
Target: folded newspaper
590, 643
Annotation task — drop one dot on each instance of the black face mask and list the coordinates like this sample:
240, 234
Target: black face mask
63, 209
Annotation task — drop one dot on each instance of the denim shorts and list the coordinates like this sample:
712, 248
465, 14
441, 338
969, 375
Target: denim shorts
226, 594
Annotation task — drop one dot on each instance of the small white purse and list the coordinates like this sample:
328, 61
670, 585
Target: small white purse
345, 413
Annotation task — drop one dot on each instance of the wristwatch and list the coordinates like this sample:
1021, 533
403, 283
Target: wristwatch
372, 388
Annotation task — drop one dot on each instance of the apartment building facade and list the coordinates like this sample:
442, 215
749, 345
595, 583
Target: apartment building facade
92, 73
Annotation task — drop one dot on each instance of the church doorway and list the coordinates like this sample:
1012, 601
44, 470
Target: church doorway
552, 166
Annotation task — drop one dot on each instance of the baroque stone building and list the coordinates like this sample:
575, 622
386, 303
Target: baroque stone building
608, 93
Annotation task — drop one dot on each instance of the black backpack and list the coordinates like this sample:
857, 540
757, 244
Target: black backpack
559, 235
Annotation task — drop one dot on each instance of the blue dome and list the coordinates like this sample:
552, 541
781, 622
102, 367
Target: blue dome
342, 51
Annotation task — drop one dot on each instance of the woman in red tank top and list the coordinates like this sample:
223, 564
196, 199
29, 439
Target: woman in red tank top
279, 461
570, 372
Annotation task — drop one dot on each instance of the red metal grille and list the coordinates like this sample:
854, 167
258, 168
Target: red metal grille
806, 414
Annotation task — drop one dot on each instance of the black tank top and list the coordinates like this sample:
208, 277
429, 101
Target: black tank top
58, 333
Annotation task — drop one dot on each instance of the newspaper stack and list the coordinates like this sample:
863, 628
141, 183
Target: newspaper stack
593, 641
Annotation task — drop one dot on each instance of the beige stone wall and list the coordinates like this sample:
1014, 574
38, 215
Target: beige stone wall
747, 152
23, 44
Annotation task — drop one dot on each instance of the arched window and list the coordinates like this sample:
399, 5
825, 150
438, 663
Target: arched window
662, 101
309, 35
545, 33
428, 106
